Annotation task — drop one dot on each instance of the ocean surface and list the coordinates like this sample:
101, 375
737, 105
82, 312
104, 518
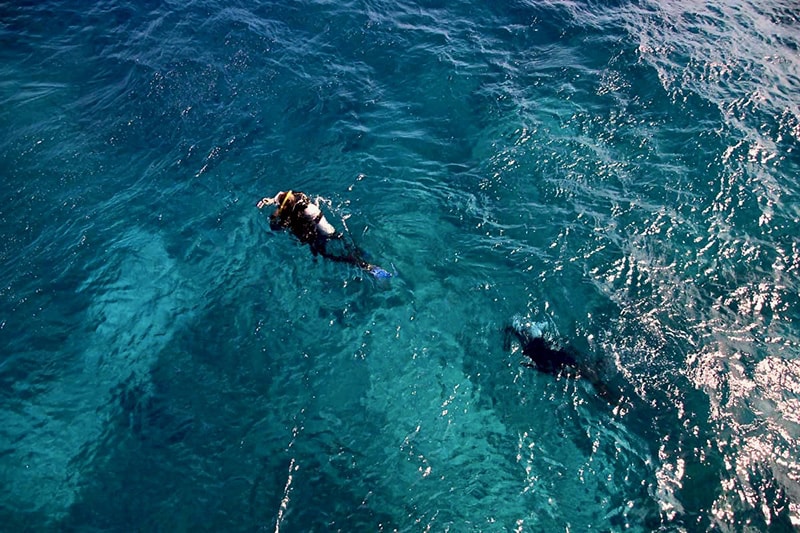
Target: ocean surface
622, 177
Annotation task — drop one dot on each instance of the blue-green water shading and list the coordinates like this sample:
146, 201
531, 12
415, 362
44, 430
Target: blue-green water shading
625, 173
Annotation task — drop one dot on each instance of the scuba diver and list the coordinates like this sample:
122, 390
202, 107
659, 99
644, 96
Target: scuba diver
549, 357
304, 218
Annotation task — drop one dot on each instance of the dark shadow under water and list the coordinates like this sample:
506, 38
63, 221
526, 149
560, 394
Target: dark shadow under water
549, 357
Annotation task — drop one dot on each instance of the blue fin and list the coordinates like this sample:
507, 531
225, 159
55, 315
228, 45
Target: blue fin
378, 272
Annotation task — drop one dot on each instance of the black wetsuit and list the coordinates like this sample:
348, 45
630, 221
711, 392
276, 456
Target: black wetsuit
549, 358
543, 355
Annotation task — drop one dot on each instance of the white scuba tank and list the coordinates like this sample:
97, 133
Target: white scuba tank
313, 212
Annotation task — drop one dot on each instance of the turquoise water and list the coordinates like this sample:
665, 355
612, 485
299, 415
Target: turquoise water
623, 175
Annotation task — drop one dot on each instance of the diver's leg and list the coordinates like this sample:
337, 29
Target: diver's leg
351, 255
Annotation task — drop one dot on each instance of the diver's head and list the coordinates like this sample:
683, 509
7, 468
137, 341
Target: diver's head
283, 200
286, 199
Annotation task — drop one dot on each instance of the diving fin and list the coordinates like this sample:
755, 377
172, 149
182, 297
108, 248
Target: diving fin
377, 272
